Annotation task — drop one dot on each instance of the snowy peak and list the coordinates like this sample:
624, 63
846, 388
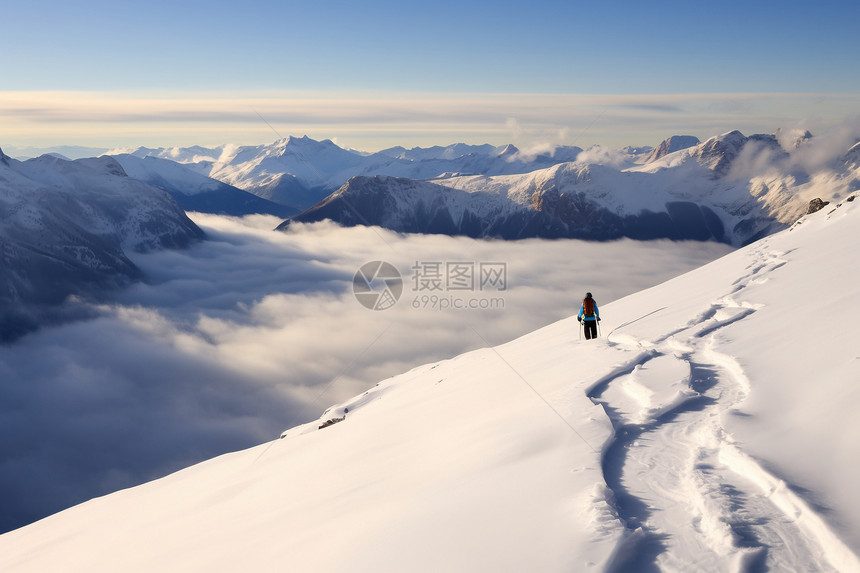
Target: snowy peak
449, 152
509, 151
852, 157
719, 153
747, 178
671, 145
731, 188
138, 151
104, 164
565, 153
299, 172
312, 151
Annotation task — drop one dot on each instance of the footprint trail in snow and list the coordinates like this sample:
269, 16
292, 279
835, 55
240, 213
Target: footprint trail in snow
691, 499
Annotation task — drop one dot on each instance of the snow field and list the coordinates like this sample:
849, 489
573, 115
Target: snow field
738, 512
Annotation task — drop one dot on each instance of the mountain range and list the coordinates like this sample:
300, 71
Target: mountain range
67, 227
196, 192
730, 188
298, 172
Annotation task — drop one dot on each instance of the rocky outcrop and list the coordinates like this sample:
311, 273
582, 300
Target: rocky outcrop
816, 205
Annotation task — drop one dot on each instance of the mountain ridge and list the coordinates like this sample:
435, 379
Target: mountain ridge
66, 229
300, 172
710, 191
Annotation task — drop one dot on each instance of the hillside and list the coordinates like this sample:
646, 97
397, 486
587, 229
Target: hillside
196, 192
711, 428
67, 227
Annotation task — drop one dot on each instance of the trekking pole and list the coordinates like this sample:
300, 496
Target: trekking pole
580, 330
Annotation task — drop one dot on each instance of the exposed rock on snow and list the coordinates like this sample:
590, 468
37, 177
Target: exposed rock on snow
816, 205
331, 422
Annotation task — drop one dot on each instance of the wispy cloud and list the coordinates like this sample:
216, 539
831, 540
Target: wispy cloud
368, 120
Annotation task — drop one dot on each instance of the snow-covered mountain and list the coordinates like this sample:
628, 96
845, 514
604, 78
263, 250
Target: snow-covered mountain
196, 192
730, 188
299, 171
442, 152
712, 427
411, 206
456, 151
550, 203
671, 145
66, 228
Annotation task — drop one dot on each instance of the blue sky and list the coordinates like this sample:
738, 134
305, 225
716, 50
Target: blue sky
393, 50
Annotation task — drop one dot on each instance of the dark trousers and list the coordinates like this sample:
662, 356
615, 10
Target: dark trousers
590, 327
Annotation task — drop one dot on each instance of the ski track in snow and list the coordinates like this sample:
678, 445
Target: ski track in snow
691, 499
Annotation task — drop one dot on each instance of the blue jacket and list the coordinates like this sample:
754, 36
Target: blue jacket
582, 312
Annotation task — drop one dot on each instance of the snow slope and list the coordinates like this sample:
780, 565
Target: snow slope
96, 195
713, 427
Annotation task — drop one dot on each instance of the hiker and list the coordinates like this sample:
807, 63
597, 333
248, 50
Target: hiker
591, 315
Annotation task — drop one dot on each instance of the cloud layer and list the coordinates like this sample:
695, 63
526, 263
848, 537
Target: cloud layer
372, 121
254, 331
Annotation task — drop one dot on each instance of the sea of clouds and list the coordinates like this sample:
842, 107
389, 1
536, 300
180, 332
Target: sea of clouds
252, 331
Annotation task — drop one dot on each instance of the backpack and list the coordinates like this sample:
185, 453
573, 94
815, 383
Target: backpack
588, 307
